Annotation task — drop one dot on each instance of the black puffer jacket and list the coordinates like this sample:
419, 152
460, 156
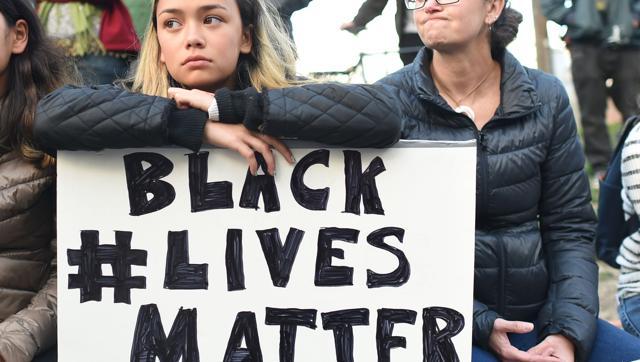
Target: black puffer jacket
534, 256
93, 118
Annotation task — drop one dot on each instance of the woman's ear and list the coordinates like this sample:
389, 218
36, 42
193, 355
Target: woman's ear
247, 40
20, 34
495, 10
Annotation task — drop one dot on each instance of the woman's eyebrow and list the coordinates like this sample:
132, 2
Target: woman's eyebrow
212, 7
200, 9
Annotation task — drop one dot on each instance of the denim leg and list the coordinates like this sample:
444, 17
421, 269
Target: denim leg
480, 355
521, 341
613, 344
629, 312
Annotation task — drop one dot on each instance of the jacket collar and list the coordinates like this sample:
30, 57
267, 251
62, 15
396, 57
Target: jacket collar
517, 91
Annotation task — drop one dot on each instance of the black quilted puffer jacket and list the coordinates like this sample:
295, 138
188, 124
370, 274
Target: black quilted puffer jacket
534, 258
93, 118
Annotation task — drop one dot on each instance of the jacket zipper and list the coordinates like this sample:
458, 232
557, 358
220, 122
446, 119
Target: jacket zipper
483, 164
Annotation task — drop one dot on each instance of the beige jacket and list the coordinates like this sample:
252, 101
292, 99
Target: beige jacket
27, 259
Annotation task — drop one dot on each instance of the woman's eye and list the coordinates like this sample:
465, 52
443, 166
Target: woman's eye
212, 20
171, 24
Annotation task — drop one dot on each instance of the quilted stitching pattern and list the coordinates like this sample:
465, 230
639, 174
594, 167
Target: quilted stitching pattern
354, 116
99, 117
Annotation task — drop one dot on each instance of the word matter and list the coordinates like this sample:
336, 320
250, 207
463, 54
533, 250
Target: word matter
150, 340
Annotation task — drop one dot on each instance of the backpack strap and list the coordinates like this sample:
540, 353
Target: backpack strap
612, 227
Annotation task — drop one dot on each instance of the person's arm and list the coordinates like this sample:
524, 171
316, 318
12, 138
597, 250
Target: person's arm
556, 11
32, 329
483, 319
630, 164
338, 114
567, 223
288, 7
94, 118
367, 12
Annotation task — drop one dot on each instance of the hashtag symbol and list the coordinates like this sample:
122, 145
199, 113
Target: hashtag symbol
92, 256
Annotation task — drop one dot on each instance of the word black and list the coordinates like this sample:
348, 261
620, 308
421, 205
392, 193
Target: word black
218, 195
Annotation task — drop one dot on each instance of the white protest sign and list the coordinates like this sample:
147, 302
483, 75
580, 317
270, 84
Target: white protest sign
351, 255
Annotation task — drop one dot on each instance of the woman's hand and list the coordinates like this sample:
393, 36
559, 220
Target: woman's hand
500, 344
232, 136
237, 137
555, 345
191, 98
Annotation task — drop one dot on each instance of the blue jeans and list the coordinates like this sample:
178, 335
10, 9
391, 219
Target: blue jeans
629, 311
611, 344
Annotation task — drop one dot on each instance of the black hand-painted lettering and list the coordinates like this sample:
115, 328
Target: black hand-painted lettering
359, 184
289, 320
90, 258
280, 258
385, 340
342, 322
141, 182
206, 196
328, 275
179, 274
245, 327
260, 184
150, 342
437, 344
397, 277
233, 260
309, 198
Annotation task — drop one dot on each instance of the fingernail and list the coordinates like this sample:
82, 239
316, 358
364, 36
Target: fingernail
293, 159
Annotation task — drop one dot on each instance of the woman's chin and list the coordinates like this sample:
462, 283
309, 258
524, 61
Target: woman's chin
209, 86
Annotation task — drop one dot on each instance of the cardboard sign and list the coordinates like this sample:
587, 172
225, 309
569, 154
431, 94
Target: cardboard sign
348, 255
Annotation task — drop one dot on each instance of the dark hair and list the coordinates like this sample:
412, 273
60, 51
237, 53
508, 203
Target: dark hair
40, 69
504, 30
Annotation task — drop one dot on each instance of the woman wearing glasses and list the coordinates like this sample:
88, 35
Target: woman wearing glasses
535, 272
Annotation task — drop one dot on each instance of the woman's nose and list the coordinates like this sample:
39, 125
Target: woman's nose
431, 6
194, 38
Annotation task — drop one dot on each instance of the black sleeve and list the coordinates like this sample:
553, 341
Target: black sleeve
288, 7
567, 222
483, 319
368, 11
338, 114
94, 118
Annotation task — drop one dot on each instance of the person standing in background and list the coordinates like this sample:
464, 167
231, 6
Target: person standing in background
98, 34
286, 8
604, 41
409, 41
